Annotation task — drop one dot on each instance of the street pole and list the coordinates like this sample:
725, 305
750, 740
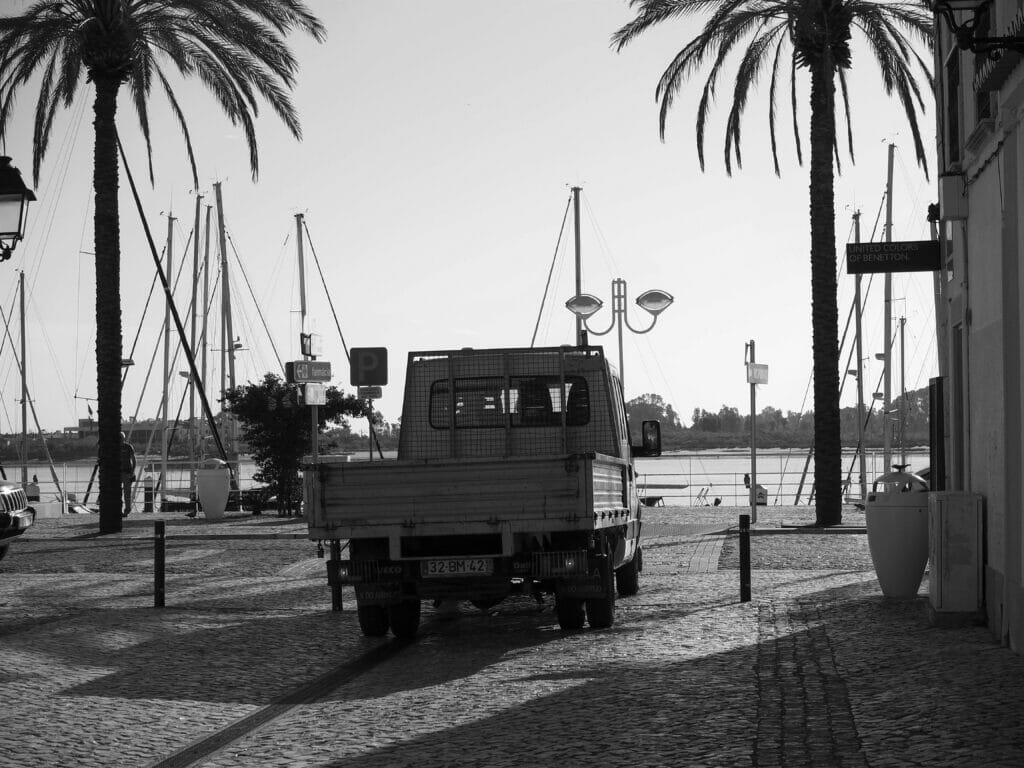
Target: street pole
619, 310
579, 263
858, 308
313, 410
753, 439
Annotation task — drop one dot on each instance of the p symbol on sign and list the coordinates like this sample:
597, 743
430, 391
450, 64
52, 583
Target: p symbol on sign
369, 366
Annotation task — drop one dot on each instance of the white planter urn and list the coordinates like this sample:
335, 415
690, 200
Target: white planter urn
897, 523
213, 486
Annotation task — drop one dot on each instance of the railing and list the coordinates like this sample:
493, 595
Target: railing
77, 479
710, 479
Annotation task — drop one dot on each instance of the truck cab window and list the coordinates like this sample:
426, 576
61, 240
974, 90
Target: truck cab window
532, 401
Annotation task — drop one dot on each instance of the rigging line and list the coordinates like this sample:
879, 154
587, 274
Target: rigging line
259, 311
330, 301
174, 312
32, 406
601, 239
551, 269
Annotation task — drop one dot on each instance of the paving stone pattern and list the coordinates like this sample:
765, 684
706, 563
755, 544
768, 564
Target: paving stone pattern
247, 665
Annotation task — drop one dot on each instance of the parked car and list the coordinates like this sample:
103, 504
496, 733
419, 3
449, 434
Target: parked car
15, 514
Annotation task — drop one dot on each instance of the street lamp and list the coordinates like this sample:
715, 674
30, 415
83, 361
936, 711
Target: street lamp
14, 200
964, 32
654, 302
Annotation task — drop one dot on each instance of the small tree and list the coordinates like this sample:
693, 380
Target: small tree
277, 428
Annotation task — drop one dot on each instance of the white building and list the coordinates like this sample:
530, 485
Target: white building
980, 105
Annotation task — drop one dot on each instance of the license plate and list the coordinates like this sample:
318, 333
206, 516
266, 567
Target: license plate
458, 566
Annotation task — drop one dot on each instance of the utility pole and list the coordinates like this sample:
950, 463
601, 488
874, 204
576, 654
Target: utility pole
858, 309
887, 354
579, 263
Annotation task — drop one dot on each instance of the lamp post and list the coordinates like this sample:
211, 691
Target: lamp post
655, 301
963, 32
14, 200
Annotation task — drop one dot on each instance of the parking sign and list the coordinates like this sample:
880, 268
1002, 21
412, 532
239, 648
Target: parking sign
369, 366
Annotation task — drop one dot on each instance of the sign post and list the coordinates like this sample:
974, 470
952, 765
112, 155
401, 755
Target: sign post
369, 372
756, 374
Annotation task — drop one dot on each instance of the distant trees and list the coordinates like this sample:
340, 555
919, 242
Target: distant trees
728, 428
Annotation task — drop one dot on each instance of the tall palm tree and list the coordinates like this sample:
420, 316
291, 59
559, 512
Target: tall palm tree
236, 48
811, 35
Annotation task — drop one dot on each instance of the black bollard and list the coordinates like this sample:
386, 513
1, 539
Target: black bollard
332, 575
159, 552
744, 558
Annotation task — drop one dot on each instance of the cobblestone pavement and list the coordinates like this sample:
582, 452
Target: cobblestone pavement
247, 665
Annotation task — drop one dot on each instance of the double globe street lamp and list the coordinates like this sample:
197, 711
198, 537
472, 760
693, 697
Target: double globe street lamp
654, 302
14, 200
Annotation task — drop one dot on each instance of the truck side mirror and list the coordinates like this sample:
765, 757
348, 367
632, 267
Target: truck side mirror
650, 435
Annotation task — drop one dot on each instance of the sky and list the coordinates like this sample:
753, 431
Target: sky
440, 143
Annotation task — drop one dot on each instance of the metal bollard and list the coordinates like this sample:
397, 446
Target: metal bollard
744, 558
147, 494
159, 558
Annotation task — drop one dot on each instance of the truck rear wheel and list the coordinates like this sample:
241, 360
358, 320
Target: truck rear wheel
373, 620
405, 618
570, 611
601, 610
627, 578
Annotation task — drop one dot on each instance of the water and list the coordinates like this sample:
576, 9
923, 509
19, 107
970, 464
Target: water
712, 475
707, 474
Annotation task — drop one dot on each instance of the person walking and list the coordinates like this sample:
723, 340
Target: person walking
127, 472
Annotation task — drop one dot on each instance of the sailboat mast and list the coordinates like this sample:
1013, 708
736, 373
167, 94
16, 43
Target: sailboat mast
167, 365
24, 384
228, 342
192, 436
579, 261
887, 340
206, 308
858, 309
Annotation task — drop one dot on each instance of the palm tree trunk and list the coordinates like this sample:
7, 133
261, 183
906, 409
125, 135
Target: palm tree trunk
824, 309
108, 302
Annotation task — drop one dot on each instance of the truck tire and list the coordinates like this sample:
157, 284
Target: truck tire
373, 620
570, 611
3, 550
405, 618
601, 610
627, 578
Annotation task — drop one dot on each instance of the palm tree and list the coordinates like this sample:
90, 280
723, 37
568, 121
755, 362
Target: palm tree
812, 35
235, 47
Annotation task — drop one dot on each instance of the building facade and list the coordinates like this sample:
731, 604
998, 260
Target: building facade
980, 106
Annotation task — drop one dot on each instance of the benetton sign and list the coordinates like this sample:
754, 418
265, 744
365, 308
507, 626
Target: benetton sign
906, 256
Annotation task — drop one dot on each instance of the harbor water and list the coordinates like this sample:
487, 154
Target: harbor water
686, 478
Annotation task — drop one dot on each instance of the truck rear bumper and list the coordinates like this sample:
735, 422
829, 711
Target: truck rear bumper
569, 572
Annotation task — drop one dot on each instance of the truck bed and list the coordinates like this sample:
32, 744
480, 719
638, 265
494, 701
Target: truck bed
508, 496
